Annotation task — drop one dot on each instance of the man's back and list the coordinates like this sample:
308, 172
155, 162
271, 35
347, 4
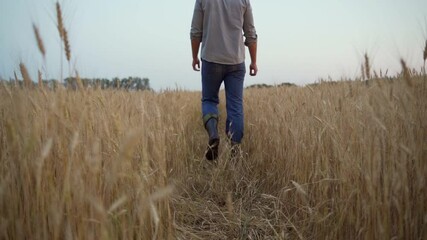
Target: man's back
220, 25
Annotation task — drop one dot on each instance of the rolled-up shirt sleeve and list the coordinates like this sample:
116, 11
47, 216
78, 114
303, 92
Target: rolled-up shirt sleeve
249, 26
197, 22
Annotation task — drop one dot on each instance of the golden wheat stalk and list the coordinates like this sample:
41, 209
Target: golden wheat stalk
39, 40
425, 57
362, 69
425, 53
367, 67
16, 78
406, 72
376, 74
25, 75
79, 81
40, 79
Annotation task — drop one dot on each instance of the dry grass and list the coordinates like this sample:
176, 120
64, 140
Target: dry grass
335, 161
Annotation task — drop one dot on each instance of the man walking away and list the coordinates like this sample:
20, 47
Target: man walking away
220, 26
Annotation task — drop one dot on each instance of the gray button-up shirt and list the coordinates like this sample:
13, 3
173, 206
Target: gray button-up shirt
221, 25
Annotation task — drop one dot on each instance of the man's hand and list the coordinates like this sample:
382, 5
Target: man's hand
196, 64
253, 69
195, 45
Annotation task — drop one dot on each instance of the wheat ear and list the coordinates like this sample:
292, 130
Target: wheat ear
67, 46
425, 53
406, 72
79, 81
39, 40
59, 20
63, 34
367, 67
16, 78
40, 78
362, 69
25, 75
425, 58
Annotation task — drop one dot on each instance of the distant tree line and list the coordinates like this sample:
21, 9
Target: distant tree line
129, 83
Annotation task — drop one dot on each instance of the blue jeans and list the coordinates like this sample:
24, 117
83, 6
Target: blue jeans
213, 74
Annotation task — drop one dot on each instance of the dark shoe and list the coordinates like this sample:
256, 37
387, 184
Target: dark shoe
212, 151
211, 126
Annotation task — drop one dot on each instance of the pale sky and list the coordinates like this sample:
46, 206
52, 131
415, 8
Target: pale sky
300, 41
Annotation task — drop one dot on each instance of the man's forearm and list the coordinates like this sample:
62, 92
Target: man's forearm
253, 51
195, 46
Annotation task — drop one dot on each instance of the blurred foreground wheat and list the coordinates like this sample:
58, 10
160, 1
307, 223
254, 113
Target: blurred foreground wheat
334, 161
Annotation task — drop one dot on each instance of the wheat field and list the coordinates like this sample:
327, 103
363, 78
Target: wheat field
343, 160
334, 160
